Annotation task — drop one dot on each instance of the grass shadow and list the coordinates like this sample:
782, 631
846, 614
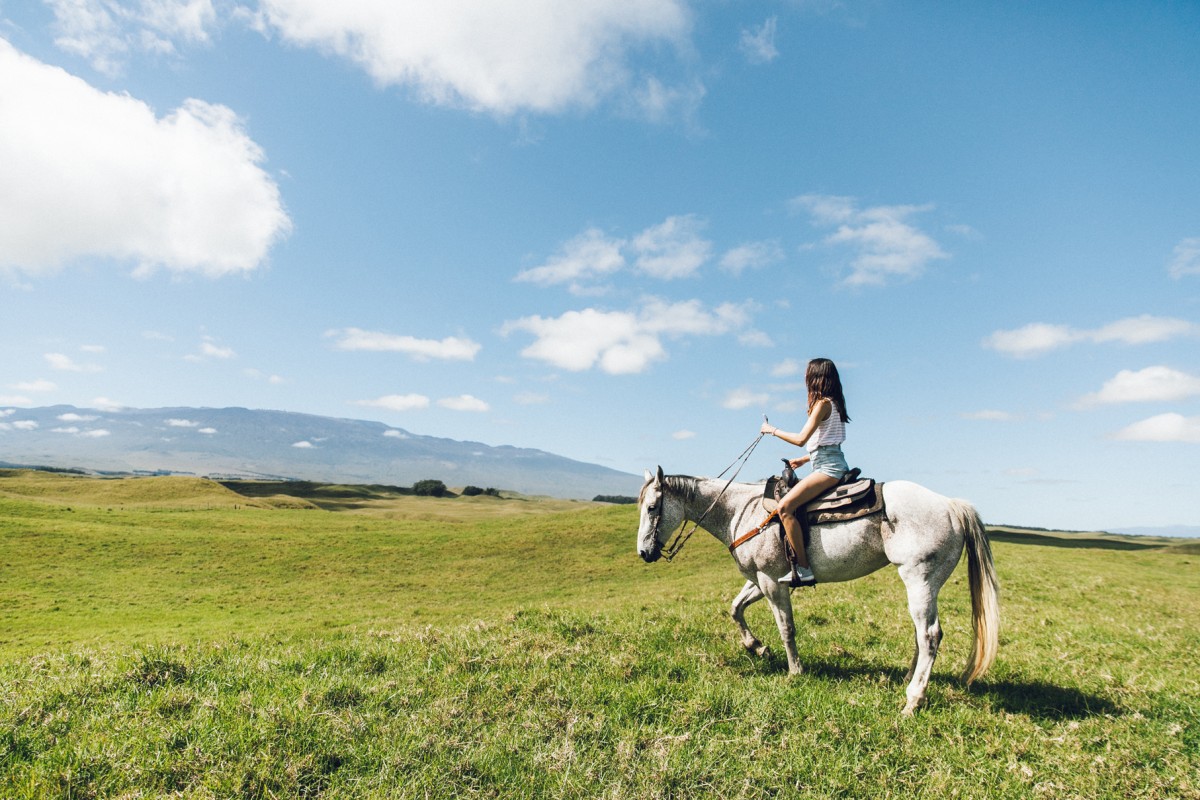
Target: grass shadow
1017, 537
1034, 699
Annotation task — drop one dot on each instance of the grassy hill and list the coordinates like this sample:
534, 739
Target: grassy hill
171, 637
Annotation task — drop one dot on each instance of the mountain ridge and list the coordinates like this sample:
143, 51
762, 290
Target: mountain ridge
237, 442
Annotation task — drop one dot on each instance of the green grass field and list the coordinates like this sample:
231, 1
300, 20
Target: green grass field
170, 637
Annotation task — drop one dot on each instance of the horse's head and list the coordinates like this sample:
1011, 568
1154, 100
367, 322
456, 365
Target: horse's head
657, 517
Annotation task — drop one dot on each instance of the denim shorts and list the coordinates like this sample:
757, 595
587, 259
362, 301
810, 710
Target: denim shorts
830, 460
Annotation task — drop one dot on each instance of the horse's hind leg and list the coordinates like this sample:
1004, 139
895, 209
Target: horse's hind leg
750, 593
923, 585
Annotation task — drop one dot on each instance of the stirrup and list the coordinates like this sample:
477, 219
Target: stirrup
798, 576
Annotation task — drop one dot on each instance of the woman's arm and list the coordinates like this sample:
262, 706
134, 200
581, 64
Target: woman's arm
819, 414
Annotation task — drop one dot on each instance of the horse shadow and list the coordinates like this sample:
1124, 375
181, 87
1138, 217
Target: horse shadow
1035, 699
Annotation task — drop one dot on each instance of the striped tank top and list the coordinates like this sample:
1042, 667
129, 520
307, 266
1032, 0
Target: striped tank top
831, 431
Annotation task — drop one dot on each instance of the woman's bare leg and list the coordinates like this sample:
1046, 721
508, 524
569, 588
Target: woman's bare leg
812, 485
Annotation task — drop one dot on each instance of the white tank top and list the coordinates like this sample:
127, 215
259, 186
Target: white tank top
831, 431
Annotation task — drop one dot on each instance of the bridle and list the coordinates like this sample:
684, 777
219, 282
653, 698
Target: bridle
676, 543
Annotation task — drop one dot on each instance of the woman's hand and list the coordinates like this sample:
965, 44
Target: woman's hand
767, 429
798, 462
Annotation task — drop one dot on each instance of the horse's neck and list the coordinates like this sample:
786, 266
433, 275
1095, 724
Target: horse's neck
705, 502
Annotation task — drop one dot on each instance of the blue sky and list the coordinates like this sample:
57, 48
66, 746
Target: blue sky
617, 230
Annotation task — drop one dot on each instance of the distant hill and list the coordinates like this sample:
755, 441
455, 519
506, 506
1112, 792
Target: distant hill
1187, 531
245, 443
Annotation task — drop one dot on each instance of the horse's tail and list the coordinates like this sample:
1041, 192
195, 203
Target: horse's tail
985, 589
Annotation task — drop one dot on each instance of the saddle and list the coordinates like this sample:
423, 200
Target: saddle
854, 497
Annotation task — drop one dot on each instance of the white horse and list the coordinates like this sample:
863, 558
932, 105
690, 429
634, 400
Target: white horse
921, 532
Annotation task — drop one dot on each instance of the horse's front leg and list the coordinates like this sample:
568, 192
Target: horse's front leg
749, 594
779, 597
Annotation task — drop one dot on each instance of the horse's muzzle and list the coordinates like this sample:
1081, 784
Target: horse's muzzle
650, 556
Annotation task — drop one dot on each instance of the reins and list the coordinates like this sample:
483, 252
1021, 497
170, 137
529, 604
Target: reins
672, 547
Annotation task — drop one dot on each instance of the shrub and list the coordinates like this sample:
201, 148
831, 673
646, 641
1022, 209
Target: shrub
614, 498
429, 488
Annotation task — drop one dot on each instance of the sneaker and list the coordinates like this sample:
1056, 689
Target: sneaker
799, 576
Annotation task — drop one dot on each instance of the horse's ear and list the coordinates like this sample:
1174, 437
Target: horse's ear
659, 477
647, 476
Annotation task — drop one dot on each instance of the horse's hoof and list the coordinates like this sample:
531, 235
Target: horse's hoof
760, 650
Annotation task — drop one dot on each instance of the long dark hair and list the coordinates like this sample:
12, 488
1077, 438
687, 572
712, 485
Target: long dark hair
823, 381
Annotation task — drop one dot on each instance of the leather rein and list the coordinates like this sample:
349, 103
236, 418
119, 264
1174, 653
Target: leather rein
676, 543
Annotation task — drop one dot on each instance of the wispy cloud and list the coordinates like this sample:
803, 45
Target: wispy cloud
106, 32
397, 402
622, 342
1039, 338
452, 348
589, 255
758, 44
65, 363
88, 173
787, 368
673, 249
683, 435
751, 255
1185, 259
884, 242
989, 415
742, 398
1163, 428
1161, 384
463, 402
35, 386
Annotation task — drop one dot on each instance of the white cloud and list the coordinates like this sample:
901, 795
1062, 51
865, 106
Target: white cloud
182, 423
98, 433
1185, 259
64, 363
1039, 338
885, 243
464, 402
70, 429
91, 174
1032, 340
105, 31
672, 249
622, 342
73, 417
739, 399
683, 435
758, 44
543, 56
395, 434
207, 431
588, 255
104, 404
304, 445
452, 348
1163, 428
752, 255
1152, 384
397, 402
